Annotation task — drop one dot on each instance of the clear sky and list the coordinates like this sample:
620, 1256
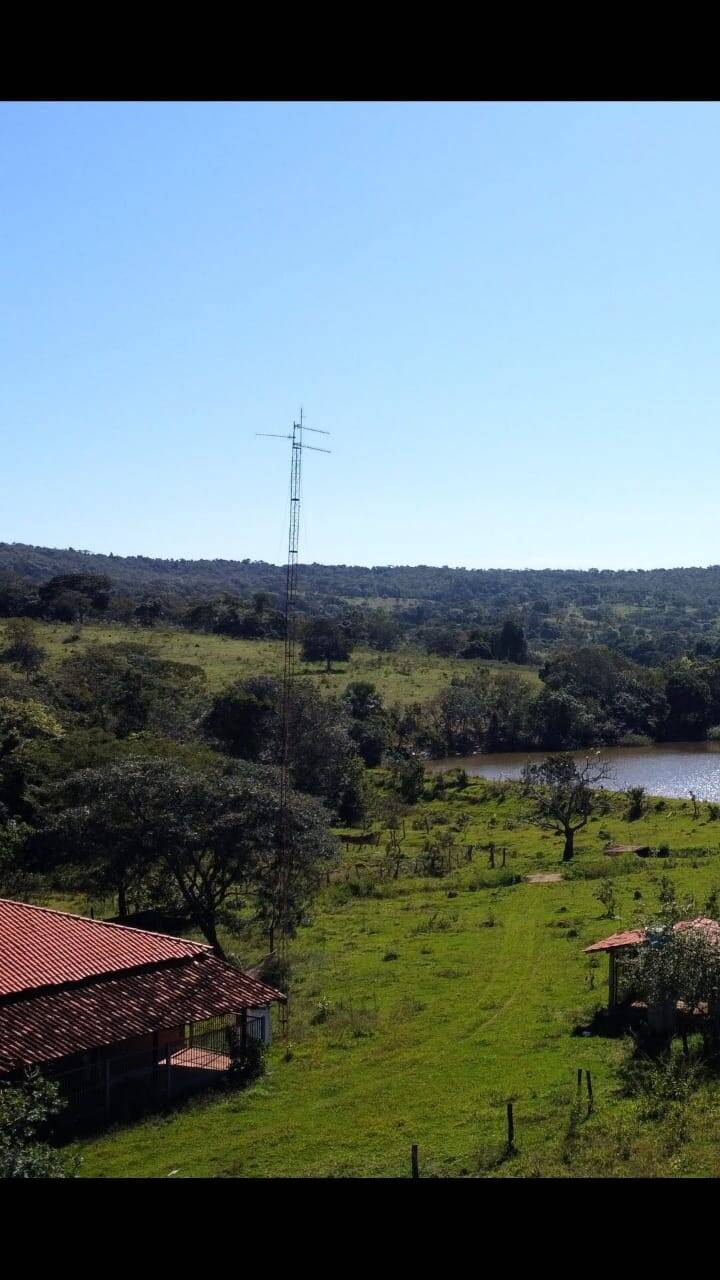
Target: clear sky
508, 315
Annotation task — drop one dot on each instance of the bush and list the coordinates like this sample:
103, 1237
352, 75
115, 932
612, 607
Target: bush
636, 803
276, 972
248, 1064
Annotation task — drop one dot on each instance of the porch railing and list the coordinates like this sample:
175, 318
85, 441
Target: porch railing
132, 1081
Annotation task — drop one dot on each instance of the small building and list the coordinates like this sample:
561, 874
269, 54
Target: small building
119, 1016
621, 946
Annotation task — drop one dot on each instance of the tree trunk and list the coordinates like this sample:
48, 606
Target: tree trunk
569, 849
122, 900
208, 927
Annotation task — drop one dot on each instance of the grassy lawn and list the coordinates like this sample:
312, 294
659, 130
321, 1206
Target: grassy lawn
406, 676
419, 1007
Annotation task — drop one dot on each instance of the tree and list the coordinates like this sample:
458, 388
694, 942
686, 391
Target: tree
71, 596
125, 688
563, 793
21, 723
369, 727
409, 776
208, 842
511, 645
325, 641
22, 648
148, 612
244, 719
676, 964
25, 1110
559, 722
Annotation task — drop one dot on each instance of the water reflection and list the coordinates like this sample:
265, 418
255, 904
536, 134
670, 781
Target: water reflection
666, 769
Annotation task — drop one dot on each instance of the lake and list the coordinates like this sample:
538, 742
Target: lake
664, 769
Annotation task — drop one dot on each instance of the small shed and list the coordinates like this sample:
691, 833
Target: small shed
621, 945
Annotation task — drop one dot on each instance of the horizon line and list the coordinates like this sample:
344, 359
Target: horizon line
593, 569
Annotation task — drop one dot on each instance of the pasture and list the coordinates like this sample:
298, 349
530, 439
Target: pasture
421, 1005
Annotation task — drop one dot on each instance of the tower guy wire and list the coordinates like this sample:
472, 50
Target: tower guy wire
297, 448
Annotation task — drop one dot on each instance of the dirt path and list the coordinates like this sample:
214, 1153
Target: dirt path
545, 877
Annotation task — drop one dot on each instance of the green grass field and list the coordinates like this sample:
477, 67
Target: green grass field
420, 1007
406, 676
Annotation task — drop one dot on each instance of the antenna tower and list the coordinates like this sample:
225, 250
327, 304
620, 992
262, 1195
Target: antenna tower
291, 577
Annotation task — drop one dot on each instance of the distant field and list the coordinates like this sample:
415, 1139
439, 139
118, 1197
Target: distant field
419, 1007
405, 676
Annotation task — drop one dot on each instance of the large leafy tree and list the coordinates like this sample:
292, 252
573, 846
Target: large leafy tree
325, 641
245, 720
210, 842
125, 688
564, 793
72, 596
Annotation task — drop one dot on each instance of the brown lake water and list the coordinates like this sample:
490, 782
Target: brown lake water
664, 769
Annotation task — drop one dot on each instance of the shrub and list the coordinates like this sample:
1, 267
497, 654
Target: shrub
636, 803
276, 972
605, 895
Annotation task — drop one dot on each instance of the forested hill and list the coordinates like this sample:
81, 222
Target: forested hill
695, 588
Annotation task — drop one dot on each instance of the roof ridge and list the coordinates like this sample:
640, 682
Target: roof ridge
106, 924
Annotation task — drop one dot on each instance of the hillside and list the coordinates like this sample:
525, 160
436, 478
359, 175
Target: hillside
672, 589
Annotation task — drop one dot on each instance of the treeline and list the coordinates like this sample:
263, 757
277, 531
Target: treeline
650, 616
588, 696
330, 636
505, 588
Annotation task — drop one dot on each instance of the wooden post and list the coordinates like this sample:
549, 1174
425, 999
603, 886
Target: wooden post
243, 1029
612, 981
155, 1063
589, 1091
579, 1080
414, 1161
168, 1071
510, 1128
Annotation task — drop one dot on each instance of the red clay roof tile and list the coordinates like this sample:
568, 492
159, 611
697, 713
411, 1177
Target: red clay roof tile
633, 937
42, 1027
44, 948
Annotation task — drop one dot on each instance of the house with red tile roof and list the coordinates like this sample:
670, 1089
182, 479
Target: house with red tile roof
119, 1015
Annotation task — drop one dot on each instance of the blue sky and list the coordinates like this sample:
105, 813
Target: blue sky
508, 315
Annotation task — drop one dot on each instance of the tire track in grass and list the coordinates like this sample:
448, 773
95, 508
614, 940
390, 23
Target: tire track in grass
521, 985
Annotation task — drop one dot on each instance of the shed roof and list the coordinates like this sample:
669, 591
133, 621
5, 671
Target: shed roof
635, 937
44, 948
53, 1024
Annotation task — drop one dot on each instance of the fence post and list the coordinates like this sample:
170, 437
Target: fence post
579, 1080
414, 1161
589, 1091
510, 1128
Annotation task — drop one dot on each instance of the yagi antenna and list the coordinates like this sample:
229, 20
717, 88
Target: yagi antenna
285, 858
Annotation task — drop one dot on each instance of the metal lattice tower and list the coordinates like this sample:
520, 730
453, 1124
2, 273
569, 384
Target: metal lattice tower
291, 578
